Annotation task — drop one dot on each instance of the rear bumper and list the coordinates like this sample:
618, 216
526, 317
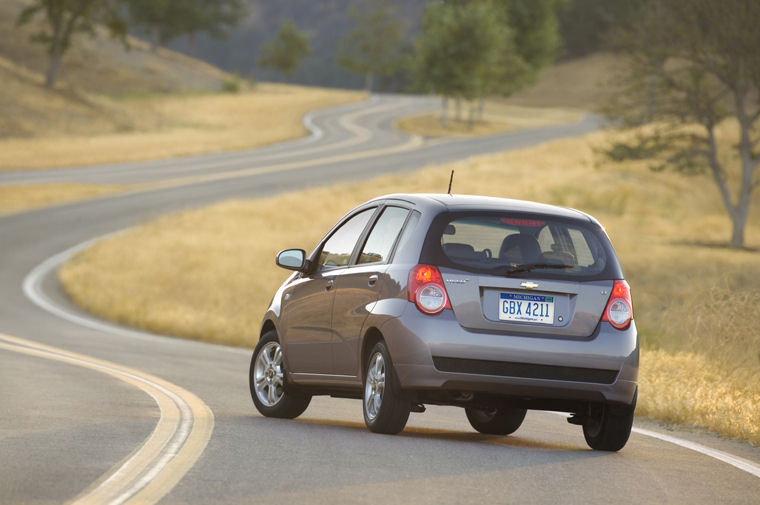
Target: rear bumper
436, 353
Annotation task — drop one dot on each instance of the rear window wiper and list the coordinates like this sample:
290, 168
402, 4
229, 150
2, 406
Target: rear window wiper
517, 269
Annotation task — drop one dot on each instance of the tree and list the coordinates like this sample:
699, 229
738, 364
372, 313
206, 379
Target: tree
536, 36
467, 51
65, 18
215, 17
286, 51
694, 68
372, 48
585, 25
162, 19
166, 20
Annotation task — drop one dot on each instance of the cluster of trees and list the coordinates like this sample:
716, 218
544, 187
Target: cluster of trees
473, 49
373, 47
163, 20
467, 50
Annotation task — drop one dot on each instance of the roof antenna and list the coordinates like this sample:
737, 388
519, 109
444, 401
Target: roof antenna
451, 180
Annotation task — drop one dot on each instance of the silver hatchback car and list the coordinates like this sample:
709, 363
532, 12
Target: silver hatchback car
494, 305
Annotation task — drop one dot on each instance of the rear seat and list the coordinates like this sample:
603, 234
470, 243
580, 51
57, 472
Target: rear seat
463, 252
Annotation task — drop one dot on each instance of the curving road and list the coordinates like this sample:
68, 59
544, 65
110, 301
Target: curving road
94, 413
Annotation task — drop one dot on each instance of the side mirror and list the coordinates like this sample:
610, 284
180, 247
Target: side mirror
292, 259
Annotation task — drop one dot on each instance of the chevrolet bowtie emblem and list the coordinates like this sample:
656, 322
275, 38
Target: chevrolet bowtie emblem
529, 285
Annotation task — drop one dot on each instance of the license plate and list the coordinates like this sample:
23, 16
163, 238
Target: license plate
526, 308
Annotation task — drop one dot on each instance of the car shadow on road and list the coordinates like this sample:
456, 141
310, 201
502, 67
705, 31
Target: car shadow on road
460, 436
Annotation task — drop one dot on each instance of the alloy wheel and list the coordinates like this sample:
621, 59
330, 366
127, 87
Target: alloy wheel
268, 375
374, 385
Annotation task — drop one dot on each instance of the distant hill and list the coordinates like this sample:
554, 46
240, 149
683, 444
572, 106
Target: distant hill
582, 25
326, 21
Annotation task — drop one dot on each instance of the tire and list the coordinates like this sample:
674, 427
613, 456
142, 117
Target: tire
608, 427
499, 421
385, 409
270, 391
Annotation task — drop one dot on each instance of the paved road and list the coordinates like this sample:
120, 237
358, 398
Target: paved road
99, 414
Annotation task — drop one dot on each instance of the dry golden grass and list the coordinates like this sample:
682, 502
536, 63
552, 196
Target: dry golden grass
582, 83
694, 389
28, 109
209, 274
20, 197
498, 117
164, 126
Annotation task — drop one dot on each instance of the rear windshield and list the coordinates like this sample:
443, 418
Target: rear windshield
510, 244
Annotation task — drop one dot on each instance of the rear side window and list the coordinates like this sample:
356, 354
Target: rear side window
380, 241
513, 244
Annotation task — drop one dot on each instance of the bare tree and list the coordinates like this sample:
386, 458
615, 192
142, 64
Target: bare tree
64, 19
695, 67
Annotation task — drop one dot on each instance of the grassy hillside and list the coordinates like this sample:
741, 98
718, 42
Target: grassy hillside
102, 65
113, 105
582, 83
95, 74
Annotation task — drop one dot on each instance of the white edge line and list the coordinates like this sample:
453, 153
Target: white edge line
31, 287
33, 280
32, 290
316, 131
735, 461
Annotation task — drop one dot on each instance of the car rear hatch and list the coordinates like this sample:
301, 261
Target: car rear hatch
526, 306
524, 274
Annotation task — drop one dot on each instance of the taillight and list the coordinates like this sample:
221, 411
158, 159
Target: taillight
426, 289
619, 310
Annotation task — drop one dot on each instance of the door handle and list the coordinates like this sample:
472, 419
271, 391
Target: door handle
372, 280
330, 284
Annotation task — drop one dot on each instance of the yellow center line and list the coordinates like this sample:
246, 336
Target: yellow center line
411, 144
138, 188
176, 443
360, 134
